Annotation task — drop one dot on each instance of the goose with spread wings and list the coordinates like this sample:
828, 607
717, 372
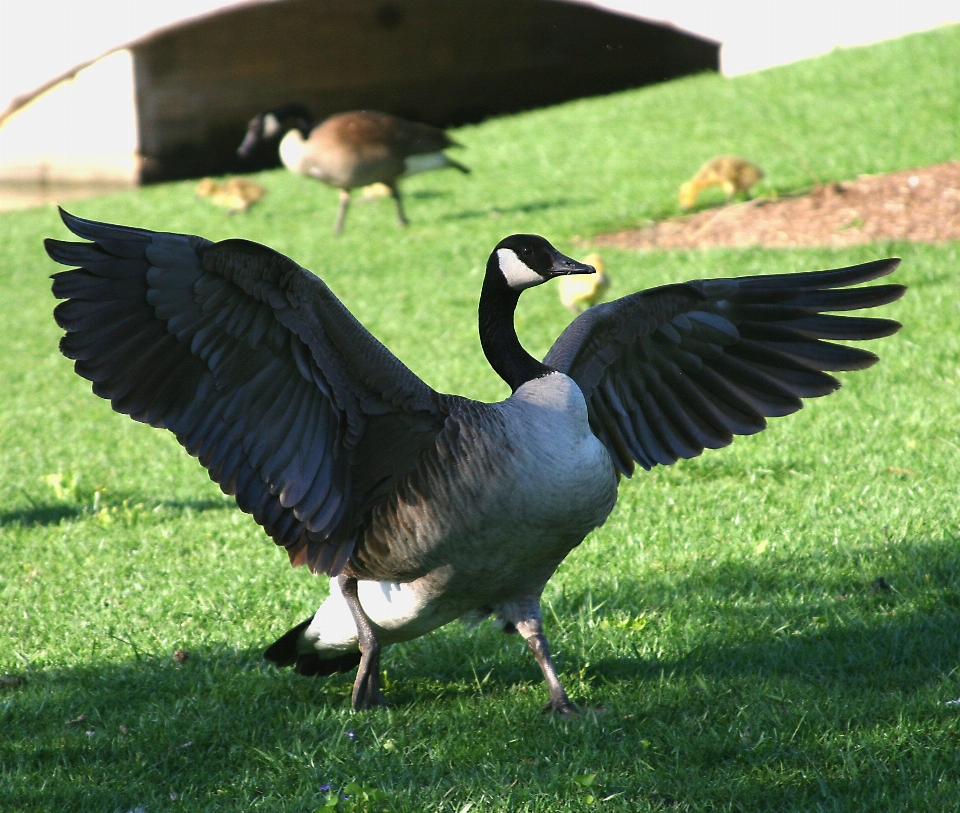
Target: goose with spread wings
424, 507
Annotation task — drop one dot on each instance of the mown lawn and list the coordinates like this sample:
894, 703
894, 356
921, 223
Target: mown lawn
725, 629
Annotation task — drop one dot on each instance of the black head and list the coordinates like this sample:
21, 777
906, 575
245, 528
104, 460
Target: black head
274, 123
525, 260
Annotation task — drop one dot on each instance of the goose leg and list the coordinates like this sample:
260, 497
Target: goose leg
395, 194
366, 688
342, 211
532, 631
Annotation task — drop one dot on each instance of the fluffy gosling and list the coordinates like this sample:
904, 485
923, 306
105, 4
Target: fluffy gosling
730, 172
234, 194
577, 293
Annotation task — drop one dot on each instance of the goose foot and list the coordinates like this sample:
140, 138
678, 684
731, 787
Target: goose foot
395, 194
366, 688
342, 210
561, 706
531, 628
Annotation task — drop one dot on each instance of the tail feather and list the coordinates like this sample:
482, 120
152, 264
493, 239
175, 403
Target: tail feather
312, 665
285, 652
457, 165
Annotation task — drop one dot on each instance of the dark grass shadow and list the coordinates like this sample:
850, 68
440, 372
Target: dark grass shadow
39, 515
891, 630
224, 714
127, 734
524, 208
713, 470
417, 194
907, 653
43, 514
426, 194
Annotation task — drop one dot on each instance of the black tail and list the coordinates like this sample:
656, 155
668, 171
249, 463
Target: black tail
284, 652
458, 165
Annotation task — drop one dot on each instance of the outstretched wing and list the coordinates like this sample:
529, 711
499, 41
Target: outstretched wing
255, 366
672, 371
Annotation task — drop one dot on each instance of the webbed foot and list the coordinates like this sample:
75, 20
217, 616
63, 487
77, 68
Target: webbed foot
561, 706
366, 688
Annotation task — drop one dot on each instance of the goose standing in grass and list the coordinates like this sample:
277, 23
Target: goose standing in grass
424, 507
353, 149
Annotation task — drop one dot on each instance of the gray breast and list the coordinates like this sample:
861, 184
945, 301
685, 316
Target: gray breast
510, 489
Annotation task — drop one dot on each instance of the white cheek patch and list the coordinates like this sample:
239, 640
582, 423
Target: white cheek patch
270, 125
516, 272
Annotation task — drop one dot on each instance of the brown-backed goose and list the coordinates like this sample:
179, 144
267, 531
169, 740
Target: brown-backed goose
425, 507
352, 149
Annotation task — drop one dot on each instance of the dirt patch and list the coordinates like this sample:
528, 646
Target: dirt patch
922, 205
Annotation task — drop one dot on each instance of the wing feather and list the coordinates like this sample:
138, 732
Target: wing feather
254, 365
671, 371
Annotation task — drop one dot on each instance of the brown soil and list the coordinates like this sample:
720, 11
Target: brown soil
913, 204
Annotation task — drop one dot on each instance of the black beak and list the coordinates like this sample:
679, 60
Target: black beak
563, 265
249, 142
244, 149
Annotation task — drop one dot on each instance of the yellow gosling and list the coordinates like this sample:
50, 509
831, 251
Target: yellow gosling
730, 172
375, 191
234, 194
579, 292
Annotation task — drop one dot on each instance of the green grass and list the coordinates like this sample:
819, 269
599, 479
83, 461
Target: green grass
722, 624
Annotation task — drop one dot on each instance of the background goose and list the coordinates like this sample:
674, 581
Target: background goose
352, 149
427, 507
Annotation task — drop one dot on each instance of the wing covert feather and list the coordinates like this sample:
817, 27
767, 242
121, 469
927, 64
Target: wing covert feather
254, 365
673, 370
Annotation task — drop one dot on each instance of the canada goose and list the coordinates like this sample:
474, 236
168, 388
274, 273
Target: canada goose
425, 507
353, 149
578, 293
730, 172
233, 194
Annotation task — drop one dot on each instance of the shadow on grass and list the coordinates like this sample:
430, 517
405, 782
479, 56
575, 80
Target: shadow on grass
224, 722
838, 633
419, 194
714, 470
41, 514
49, 514
124, 736
524, 208
426, 194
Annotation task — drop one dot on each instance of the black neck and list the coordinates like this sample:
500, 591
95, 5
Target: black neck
498, 336
295, 116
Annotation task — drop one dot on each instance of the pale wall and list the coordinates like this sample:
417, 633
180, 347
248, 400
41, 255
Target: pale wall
82, 130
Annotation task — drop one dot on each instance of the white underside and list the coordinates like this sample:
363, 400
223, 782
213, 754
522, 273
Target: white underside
424, 163
291, 150
555, 485
399, 612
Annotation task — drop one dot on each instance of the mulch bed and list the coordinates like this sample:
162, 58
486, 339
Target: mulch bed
921, 205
